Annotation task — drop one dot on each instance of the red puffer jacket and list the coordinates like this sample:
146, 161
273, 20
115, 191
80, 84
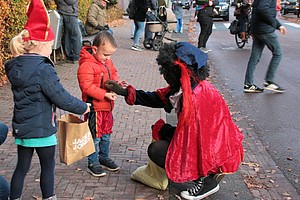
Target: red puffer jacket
92, 75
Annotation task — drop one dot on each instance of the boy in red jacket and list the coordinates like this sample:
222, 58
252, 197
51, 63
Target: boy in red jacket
96, 67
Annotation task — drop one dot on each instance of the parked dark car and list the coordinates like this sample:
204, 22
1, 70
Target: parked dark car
289, 6
222, 10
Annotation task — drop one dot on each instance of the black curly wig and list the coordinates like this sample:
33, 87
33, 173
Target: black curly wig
172, 72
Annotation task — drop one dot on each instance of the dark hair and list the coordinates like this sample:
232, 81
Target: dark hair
172, 72
102, 37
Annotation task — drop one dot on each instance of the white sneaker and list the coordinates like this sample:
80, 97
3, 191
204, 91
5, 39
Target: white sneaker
204, 50
273, 87
136, 48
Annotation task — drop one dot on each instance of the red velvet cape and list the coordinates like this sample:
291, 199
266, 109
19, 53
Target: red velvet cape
209, 143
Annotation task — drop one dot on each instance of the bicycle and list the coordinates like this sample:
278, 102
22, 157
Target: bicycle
238, 37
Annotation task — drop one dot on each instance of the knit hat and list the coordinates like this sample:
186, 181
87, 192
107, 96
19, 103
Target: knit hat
38, 23
188, 55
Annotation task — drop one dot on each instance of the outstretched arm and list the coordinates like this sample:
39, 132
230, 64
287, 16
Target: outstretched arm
137, 97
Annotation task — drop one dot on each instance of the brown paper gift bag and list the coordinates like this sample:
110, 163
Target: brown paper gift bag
74, 138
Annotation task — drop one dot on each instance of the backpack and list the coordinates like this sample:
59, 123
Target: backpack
234, 27
131, 9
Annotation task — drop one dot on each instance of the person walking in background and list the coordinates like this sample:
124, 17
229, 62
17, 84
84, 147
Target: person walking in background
278, 9
138, 12
95, 67
96, 17
204, 13
68, 9
241, 13
206, 141
36, 90
178, 11
4, 186
263, 26
152, 7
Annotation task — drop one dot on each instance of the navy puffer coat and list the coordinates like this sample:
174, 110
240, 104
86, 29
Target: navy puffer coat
36, 88
264, 17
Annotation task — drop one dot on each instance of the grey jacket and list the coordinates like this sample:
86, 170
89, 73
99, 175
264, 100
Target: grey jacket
67, 7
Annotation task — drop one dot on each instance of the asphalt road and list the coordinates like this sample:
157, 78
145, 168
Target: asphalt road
273, 117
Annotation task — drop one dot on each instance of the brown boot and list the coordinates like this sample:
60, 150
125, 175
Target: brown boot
243, 36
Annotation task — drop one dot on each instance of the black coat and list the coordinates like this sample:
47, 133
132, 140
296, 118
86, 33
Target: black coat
141, 9
264, 17
36, 88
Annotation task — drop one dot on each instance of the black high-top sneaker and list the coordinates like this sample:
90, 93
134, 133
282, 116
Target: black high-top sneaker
204, 186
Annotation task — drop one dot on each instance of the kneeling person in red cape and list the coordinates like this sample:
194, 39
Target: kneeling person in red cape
206, 141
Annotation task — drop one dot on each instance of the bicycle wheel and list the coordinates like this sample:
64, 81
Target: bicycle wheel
238, 40
157, 43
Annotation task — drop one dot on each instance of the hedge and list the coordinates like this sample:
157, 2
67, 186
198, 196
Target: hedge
12, 24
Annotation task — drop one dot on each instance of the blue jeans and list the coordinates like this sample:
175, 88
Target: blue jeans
101, 149
179, 25
4, 189
259, 42
72, 37
139, 29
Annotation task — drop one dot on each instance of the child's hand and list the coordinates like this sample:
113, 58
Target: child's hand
111, 96
123, 83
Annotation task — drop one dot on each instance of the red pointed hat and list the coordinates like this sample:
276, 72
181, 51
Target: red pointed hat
38, 23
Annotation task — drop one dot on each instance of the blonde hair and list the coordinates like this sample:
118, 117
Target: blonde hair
18, 46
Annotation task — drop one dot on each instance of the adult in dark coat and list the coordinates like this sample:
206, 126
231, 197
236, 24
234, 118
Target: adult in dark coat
263, 26
204, 13
139, 17
68, 9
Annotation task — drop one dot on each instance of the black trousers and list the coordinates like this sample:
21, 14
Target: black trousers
206, 24
157, 152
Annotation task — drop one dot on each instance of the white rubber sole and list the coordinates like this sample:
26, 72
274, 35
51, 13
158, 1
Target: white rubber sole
185, 194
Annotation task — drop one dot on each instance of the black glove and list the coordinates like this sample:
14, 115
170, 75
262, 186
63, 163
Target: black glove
100, 28
166, 132
115, 87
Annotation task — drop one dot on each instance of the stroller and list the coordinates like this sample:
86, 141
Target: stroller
165, 22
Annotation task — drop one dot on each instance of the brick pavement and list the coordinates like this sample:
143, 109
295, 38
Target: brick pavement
132, 136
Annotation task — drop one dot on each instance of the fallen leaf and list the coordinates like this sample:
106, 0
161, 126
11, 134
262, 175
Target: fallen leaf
36, 197
131, 149
272, 181
286, 194
78, 169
